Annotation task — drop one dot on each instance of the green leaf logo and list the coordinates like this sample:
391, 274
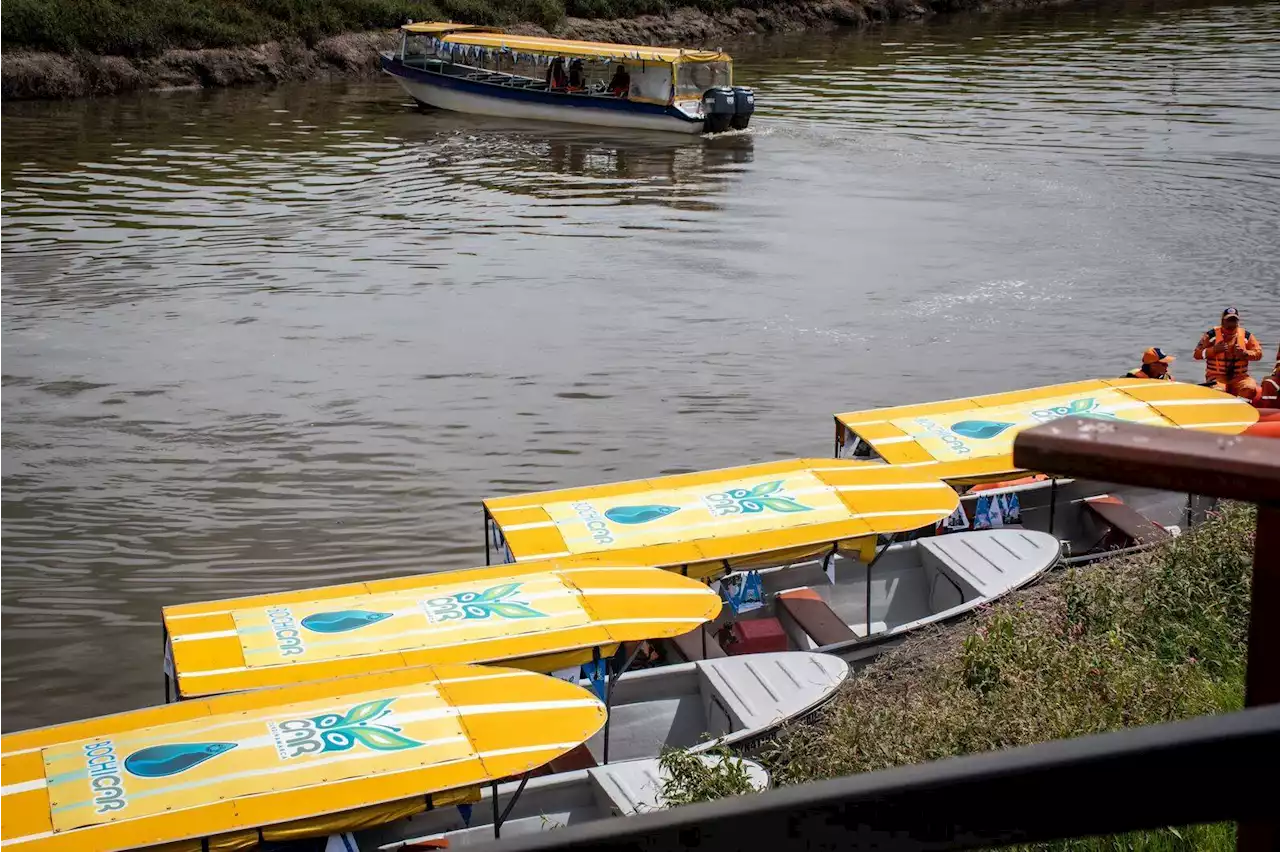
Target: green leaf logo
513, 609
381, 739
366, 712
497, 593
764, 489
782, 504
1079, 405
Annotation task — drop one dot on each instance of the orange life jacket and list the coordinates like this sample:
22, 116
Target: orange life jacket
1231, 364
1268, 392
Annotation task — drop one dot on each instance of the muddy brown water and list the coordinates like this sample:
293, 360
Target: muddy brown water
259, 340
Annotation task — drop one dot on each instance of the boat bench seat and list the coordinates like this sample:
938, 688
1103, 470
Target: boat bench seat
1127, 520
814, 616
579, 757
689, 645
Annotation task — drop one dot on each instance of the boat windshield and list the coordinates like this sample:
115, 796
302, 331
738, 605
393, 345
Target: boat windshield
694, 78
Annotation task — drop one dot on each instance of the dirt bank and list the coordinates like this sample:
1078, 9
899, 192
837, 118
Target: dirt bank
28, 74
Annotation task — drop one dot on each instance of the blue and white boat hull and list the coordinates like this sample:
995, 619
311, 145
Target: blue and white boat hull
478, 98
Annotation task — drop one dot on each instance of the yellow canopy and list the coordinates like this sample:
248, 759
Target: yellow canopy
284, 764
703, 523
440, 27
476, 37
971, 439
536, 615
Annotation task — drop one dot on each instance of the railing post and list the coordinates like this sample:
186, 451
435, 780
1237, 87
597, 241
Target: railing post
1262, 672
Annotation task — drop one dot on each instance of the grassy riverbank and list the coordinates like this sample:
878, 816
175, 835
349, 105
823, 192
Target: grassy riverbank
1130, 642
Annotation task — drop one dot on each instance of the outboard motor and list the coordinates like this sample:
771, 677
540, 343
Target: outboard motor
744, 103
718, 109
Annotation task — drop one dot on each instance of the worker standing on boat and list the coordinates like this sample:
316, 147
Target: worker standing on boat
1269, 391
620, 85
1155, 365
1227, 350
556, 78
577, 75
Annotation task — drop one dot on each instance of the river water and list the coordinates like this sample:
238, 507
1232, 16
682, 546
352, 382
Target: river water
258, 340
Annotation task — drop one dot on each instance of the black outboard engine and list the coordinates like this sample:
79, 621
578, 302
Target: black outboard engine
744, 103
718, 109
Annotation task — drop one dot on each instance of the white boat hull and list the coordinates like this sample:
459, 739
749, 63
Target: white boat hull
444, 97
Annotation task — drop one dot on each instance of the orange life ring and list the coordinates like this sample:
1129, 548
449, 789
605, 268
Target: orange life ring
1269, 428
1008, 483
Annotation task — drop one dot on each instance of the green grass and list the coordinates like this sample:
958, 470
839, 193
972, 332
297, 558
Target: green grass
1125, 643
145, 27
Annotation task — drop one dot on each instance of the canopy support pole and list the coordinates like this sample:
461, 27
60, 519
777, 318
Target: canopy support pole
1053, 501
486, 537
609, 681
873, 561
498, 820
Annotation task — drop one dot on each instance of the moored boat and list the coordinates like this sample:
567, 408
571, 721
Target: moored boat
304, 761
540, 616
544, 804
858, 610
702, 705
483, 71
968, 443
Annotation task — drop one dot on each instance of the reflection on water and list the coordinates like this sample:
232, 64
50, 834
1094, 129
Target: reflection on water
258, 340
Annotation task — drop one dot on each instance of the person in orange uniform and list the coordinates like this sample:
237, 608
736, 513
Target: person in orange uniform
1269, 391
1227, 350
1155, 365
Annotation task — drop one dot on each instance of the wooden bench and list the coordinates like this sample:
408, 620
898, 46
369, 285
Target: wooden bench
811, 612
689, 645
1127, 520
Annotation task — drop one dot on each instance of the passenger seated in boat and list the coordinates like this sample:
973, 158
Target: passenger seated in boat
556, 78
620, 85
577, 75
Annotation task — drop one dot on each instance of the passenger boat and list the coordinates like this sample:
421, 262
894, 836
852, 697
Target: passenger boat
286, 764
543, 804
858, 610
540, 616
968, 443
484, 71
705, 704
800, 528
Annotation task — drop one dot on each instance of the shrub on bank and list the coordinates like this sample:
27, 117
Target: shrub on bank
146, 27
139, 28
1136, 641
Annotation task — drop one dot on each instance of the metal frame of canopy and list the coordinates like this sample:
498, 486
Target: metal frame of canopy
552, 616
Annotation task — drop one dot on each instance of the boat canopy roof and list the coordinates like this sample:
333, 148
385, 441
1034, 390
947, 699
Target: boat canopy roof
490, 39
542, 615
971, 439
703, 524
303, 761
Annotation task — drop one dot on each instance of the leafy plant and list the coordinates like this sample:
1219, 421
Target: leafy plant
690, 778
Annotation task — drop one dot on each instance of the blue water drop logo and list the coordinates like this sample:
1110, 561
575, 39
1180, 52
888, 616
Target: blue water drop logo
342, 621
638, 514
163, 760
981, 430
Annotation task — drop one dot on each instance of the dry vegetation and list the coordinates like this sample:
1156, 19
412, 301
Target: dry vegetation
1128, 642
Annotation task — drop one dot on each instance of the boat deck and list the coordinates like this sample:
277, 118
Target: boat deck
501, 79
